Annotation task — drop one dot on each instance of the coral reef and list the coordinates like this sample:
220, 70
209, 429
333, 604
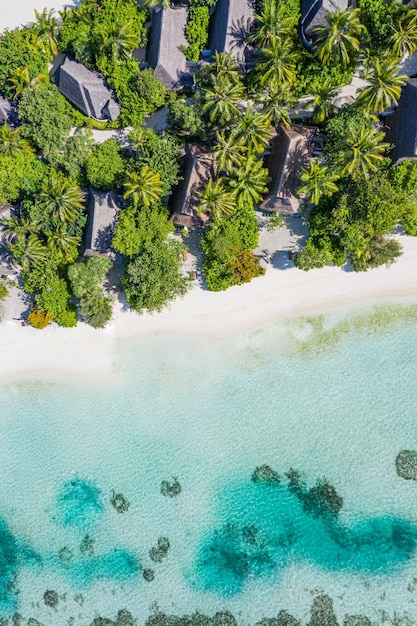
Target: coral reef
148, 574
322, 613
87, 546
265, 474
171, 489
51, 598
119, 502
197, 619
159, 552
282, 619
406, 464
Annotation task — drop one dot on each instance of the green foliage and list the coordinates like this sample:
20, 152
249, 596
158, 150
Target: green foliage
275, 222
226, 246
105, 167
244, 267
86, 277
160, 154
38, 318
196, 31
138, 229
54, 299
153, 277
183, 119
150, 90
43, 113
379, 18
20, 48
3, 291
20, 173
96, 309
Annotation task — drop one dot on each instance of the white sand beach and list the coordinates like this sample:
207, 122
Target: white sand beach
20, 12
283, 292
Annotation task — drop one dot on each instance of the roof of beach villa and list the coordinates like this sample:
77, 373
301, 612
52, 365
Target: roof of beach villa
6, 263
197, 170
313, 12
231, 24
401, 126
164, 54
103, 209
289, 152
87, 91
7, 111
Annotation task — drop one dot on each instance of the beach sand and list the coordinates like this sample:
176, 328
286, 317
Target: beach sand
284, 291
14, 14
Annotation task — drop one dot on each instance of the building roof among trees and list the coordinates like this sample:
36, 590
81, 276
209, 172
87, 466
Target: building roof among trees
198, 165
289, 152
313, 12
164, 54
401, 126
6, 263
231, 24
103, 209
7, 111
87, 91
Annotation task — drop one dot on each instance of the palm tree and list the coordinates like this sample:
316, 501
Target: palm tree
253, 131
317, 181
62, 245
47, 29
19, 229
277, 64
270, 24
227, 154
165, 4
385, 85
144, 188
63, 200
340, 37
29, 252
226, 66
363, 152
249, 182
11, 140
322, 102
118, 39
220, 100
214, 199
404, 38
21, 80
278, 100
96, 309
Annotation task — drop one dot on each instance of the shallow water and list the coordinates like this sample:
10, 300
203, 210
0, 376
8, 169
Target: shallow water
334, 398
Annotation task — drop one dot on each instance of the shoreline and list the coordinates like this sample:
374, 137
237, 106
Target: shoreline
94, 356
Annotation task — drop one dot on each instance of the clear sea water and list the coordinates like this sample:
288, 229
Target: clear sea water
333, 397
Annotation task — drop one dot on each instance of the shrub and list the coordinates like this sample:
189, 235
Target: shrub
20, 48
196, 31
96, 309
39, 318
105, 167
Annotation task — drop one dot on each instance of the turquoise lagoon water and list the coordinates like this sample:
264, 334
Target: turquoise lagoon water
333, 398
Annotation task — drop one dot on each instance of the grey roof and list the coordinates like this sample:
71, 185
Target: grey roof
7, 111
289, 152
103, 209
87, 91
313, 12
6, 262
401, 126
164, 54
184, 202
230, 26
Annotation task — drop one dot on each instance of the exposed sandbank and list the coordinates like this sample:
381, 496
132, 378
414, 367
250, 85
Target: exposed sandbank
93, 355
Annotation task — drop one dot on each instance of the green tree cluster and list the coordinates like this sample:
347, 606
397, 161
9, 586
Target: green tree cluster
105, 167
86, 279
196, 30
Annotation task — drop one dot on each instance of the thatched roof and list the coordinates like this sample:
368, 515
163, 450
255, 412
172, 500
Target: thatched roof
289, 152
401, 126
103, 209
6, 265
87, 91
7, 111
184, 202
164, 54
313, 12
231, 24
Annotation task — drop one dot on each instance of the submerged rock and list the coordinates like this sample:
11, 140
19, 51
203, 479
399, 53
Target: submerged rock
356, 620
119, 502
406, 464
322, 613
33, 622
125, 618
282, 619
65, 554
148, 574
159, 552
197, 619
87, 546
265, 474
171, 489
51, 598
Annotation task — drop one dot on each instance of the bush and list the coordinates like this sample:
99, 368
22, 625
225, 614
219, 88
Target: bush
150, 90
20, 48
39, 318
160, 154
196, 31
43, 113
183, 119
96, 309
21, 173
244, 267
86, 277
105, 167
